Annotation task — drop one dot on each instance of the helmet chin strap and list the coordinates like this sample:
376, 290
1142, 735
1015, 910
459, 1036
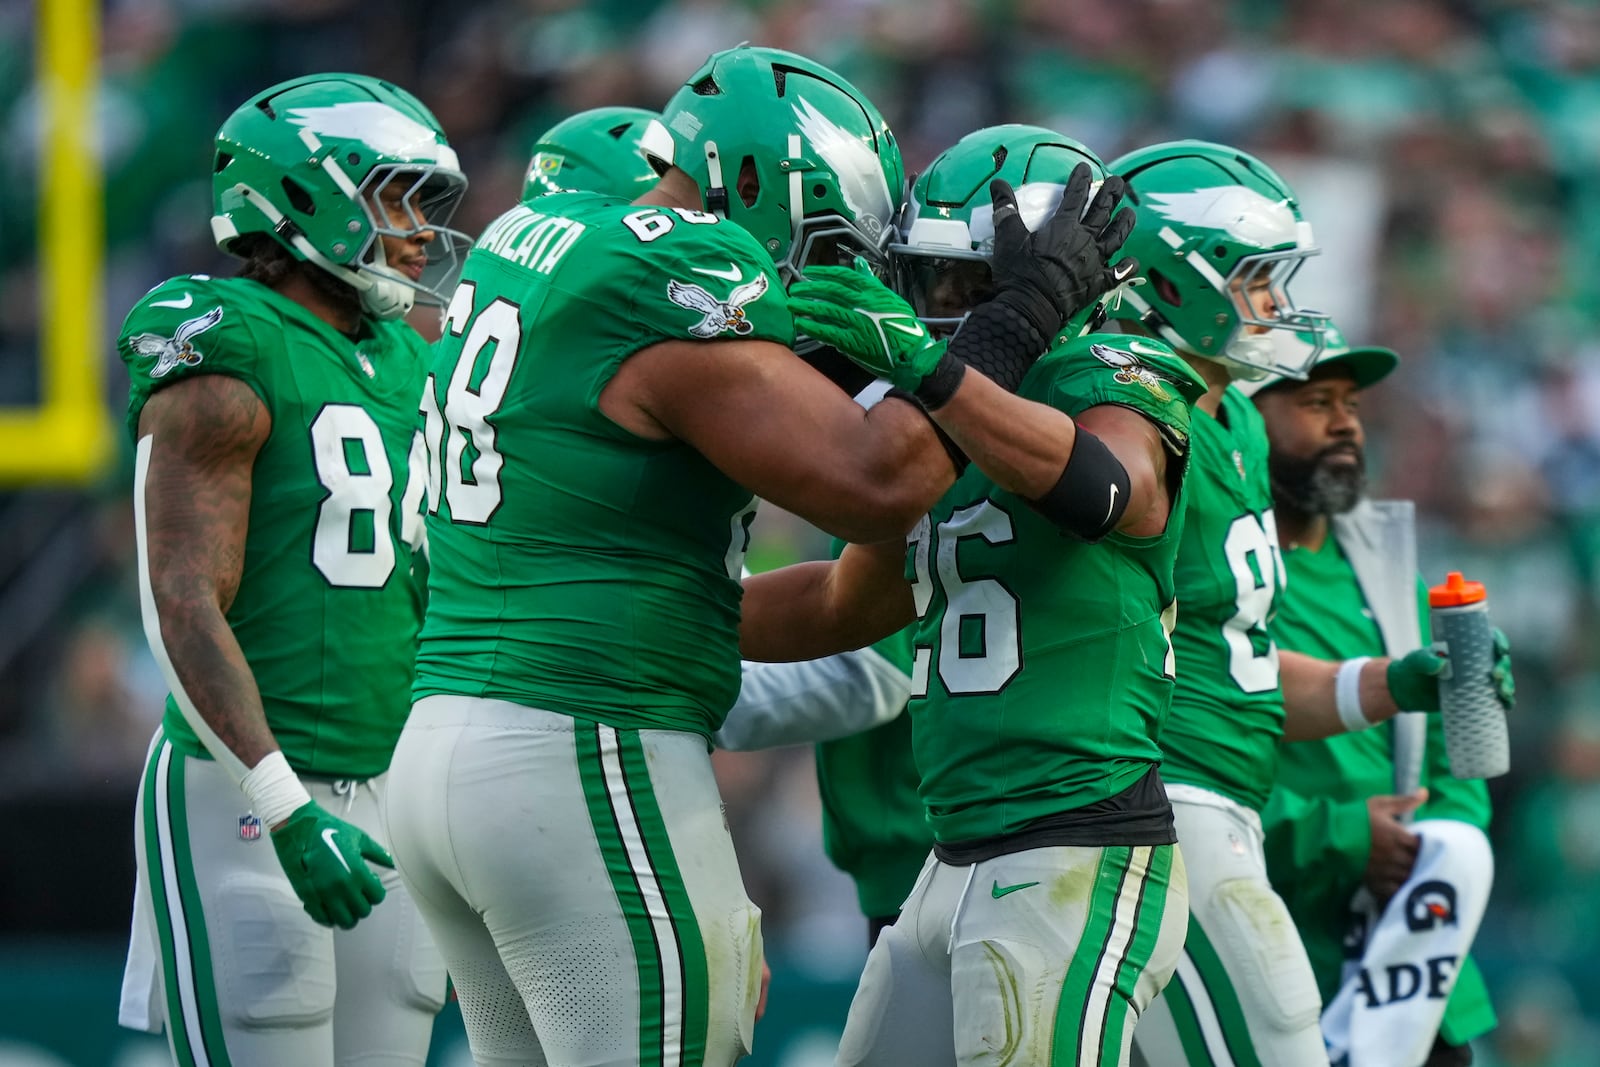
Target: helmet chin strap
1249, 357
383, 294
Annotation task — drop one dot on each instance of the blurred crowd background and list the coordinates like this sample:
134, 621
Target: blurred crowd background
1447, 151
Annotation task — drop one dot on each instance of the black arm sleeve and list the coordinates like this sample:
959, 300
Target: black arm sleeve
1092, 494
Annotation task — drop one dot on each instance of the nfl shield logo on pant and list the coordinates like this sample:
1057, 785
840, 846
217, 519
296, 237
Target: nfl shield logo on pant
249, 827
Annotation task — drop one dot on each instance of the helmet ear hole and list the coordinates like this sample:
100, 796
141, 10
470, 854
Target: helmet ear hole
1165, 289
299, 198
749, 189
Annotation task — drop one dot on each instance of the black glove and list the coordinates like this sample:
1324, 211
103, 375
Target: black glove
1049, 275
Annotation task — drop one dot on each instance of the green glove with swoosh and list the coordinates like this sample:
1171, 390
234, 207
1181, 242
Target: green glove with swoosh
849, 309
326, 861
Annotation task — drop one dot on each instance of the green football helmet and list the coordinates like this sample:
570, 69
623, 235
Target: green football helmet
306, 160
1217, 228
946, 229
594, 151
790, 151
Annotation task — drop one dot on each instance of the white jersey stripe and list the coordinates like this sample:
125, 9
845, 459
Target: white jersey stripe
666, 938
187, 994
1118, 940
152, 622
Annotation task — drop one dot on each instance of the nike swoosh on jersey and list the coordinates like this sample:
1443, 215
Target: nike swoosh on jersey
1113, 506
1140, 348
732, 274
997, 890
327, 839
188, 299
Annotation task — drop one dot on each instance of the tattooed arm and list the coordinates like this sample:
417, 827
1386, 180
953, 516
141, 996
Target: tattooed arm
197, 448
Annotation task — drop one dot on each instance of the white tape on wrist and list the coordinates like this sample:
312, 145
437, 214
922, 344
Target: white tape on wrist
274, 790
1347, 694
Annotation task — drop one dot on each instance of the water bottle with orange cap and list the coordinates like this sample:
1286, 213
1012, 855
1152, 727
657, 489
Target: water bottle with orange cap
1470, 701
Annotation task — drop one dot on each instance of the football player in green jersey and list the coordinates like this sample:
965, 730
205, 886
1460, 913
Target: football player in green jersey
594, 151
1337, 849
1052, 908
277, 502
613, 385
1221, 236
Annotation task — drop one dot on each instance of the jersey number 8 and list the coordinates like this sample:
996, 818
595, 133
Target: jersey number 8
470, 485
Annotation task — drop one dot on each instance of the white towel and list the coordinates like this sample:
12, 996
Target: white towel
140, 1007
1392, 997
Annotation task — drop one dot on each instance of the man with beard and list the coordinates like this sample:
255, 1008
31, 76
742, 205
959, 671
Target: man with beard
1339, 847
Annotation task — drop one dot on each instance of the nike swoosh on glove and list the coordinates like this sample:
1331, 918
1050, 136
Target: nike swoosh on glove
326, 861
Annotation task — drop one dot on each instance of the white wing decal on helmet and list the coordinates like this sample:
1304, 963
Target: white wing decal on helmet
1243, 214
858, 169
380, 126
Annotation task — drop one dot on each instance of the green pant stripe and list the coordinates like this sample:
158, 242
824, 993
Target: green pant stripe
1148, 913
156, 872
179, 904
1176, 996
1212, 993
205, 984
625, 882
693, 977
1111, 874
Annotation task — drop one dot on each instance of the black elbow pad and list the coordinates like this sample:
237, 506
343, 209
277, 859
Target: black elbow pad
1089, 499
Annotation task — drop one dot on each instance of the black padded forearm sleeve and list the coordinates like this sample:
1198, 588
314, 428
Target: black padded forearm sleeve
1000, 341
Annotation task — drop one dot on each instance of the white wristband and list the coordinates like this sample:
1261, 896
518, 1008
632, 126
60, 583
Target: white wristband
274, 790
1347, 694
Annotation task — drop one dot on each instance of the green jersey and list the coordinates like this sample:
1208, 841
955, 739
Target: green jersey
327, 610
1000, 747
576, 566
873, 828
1227, 711
1317, 827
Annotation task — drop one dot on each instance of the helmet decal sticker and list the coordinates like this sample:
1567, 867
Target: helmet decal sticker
377, 124
1243, 214
856, 166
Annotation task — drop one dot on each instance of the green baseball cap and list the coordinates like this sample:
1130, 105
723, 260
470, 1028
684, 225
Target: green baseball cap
1367, 364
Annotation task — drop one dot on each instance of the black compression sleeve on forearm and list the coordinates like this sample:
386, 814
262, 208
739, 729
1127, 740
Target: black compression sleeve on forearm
1089, 499
953, 450
1001, 342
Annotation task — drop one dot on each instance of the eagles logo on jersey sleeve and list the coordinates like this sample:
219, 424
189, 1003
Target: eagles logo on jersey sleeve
1134, 372
181, 328
720, 316
712, 282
